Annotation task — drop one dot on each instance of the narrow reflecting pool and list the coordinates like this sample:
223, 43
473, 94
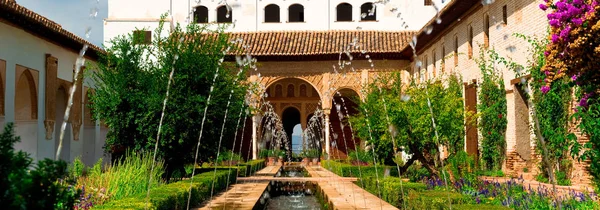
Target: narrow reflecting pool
286, 195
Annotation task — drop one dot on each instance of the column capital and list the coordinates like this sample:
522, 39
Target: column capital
326, 111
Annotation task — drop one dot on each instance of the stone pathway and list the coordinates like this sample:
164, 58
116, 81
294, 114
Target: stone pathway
245, 194
342, 194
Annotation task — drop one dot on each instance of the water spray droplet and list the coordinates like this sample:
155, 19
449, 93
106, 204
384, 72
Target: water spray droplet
88, 31
358, 28
363, 15
94, 12
428, 29
405, 97
487, 2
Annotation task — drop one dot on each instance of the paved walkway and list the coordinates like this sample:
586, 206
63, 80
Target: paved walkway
342, 194
245, 194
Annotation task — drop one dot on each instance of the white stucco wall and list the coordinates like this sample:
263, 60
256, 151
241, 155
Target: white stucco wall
125, 16
18, 47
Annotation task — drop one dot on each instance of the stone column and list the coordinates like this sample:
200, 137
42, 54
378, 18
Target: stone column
327, 141
255, 120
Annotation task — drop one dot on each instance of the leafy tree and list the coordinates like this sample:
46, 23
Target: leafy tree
131, 81
411, 119
24, 185
492, 109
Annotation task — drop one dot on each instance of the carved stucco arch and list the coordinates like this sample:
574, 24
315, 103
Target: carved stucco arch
268, 81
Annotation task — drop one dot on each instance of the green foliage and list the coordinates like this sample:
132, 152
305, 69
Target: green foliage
227, 156
390, 188
23, 185
411, 118
126, 177
492, 109
131, 81
76, 168
416, 172
361, 156
462, 165
347, 170
435, 199
552, 112
311, 153
175, 195
590, 125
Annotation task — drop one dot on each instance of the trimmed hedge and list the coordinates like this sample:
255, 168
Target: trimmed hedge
175, 195
244, 169
435, 199
347, 170
390, 188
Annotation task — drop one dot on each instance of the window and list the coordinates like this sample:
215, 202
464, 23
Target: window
367, 12
428, 2
296, 13
200, 14
272, 13
223, 14
486, 31
455, 51
504, 14
470, 52
142, 37
344, 12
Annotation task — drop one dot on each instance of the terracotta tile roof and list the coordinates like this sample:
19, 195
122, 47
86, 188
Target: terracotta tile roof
39, 25
321, 43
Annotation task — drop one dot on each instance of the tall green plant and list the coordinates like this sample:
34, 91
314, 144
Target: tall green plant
492, 109
131, 81
126, 177
24, 185
552, 110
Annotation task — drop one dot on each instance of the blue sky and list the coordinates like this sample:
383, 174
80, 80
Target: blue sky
73, 15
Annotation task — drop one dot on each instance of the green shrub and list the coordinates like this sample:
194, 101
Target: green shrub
229, 156
244, 169
416, 172
435, 199
175, 195
24, 185
125, 178
390, 188
347, 170
462, 165
76, 168
361, 155
311, 153
479, 206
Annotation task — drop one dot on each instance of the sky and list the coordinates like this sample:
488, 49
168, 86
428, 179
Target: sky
73, 15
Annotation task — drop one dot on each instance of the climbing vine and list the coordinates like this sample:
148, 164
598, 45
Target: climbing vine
573, 51
552, 110
492, 110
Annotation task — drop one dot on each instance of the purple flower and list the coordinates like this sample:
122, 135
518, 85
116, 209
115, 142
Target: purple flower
555, 38
554, 23
546, 53
574, 77
543, 7
545, 89
546, 73
577, 21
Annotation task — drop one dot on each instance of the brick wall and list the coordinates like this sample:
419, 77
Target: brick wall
524, 17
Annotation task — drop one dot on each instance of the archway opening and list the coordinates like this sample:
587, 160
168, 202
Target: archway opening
341, 138
290, 118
